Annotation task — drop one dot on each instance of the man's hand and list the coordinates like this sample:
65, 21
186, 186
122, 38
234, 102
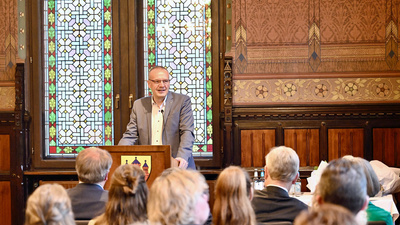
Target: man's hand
182, 163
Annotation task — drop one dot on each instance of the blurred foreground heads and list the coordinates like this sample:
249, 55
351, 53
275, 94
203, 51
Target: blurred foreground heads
327, 214
49, 204
177, 197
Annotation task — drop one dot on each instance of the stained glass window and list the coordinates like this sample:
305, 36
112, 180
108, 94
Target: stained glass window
177, 35
78, 76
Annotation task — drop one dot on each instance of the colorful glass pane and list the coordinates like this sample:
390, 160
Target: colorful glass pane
177, 35
78, 76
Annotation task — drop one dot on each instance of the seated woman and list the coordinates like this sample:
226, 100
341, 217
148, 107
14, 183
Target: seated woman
233, 193
177, 197
326, 214
49, 204
127, 198
374, 213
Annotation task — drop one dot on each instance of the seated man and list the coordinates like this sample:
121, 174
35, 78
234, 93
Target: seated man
88, 198
273, 204
343, 183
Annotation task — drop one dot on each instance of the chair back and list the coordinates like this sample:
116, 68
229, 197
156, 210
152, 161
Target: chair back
376, 223
82, 222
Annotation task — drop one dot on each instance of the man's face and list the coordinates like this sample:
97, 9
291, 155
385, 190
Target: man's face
159, 83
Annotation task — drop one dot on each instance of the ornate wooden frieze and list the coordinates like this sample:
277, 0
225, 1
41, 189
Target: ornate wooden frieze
339, 88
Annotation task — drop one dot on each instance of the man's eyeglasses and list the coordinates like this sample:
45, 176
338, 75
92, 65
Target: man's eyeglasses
159, 81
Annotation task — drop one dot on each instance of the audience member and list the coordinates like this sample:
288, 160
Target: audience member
342, 183
127, 198
326, 214
233, 193
178, 196
49, 204
374, 213
273, 203
88, 197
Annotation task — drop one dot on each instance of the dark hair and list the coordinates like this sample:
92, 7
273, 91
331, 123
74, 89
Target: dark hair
343, 183
326, 214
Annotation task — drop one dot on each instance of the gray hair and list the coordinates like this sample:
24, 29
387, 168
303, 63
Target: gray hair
373, 185
282, 163
93, 165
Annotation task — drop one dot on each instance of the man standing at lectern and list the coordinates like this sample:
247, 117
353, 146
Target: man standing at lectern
164, 118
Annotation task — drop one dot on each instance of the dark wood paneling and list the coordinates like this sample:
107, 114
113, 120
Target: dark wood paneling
306, 143
211, 189
343, 142
5, 202
386, 145
319, 132
65, 183
11, 194
255, 144
4, 152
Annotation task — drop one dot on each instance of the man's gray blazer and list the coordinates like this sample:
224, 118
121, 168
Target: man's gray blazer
178, 126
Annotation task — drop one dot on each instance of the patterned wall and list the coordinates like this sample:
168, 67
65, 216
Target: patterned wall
315, 52
9, 46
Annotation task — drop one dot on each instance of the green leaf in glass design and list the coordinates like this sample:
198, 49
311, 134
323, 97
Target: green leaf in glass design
52, 117
108, 88
108, 117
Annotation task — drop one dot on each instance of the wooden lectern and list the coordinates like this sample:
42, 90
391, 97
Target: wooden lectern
160, 159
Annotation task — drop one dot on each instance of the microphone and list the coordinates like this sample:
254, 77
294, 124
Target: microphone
162, 111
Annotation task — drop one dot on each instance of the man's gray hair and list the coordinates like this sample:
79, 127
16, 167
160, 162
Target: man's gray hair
282, 163
92, 165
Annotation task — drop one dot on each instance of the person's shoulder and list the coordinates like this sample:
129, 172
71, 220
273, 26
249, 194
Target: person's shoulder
300, 204
145, 98
178, 95
142, 101
259, 194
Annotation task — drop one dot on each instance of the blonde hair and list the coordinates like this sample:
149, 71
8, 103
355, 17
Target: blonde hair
127, 197
93, 164
282, 163
49, 204
326, 214
173, 197
232, 204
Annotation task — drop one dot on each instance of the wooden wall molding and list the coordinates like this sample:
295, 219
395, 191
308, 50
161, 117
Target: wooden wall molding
227, 116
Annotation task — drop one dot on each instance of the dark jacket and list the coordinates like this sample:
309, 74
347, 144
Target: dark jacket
273, 204
88, 200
